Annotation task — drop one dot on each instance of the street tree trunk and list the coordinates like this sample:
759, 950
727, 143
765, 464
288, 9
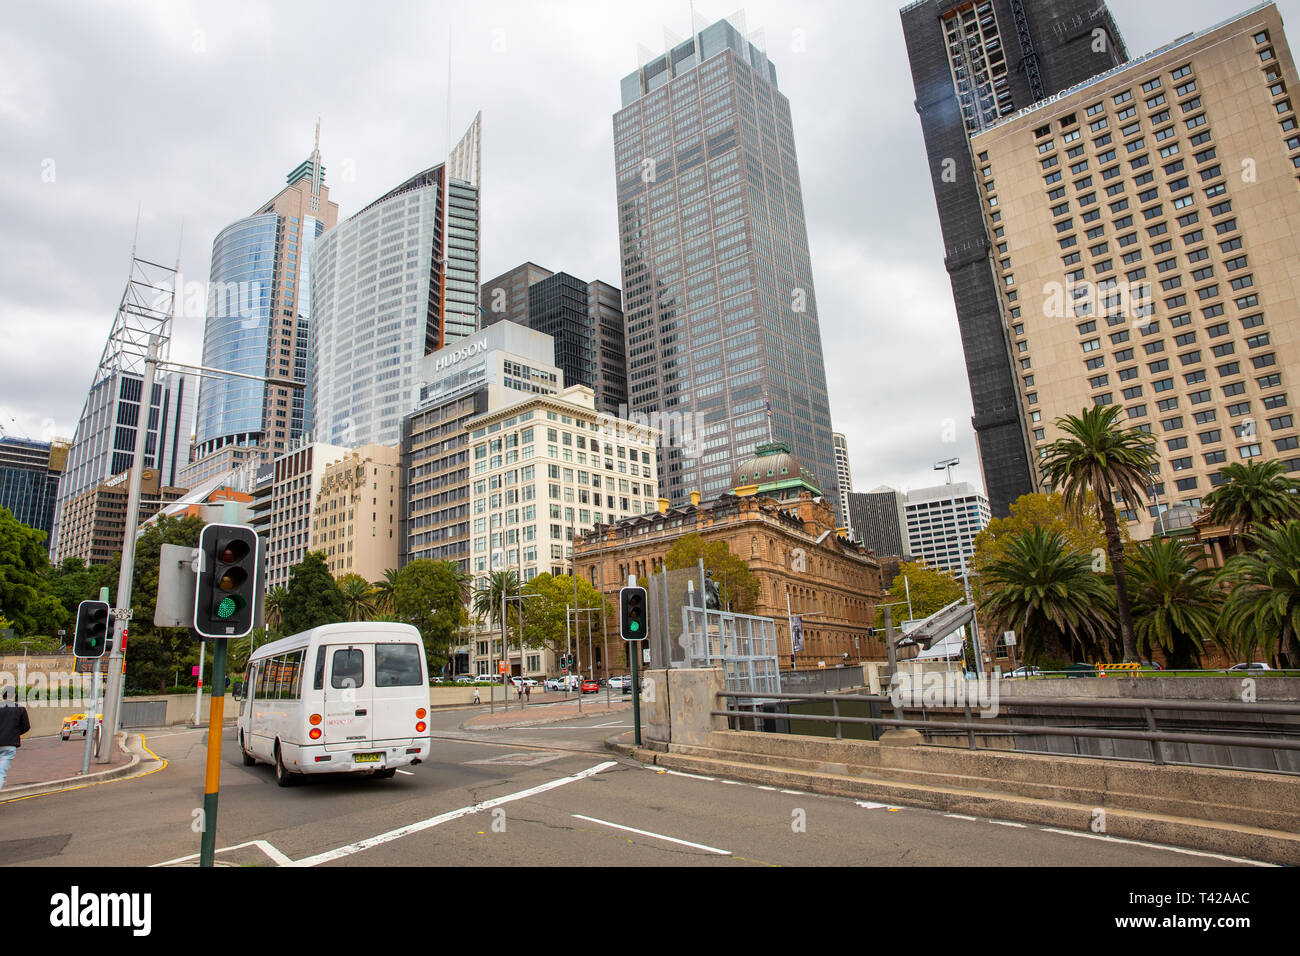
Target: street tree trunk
1115, 549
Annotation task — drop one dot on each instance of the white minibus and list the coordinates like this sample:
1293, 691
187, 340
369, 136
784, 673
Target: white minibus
340, 698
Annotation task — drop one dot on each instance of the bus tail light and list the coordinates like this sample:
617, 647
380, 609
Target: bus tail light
314, 734
315, 720
420, 713
419, 727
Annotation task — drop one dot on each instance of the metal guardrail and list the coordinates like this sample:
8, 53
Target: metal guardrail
988, 727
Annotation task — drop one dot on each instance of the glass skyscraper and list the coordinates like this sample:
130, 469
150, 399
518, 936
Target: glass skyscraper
259, 323
398, 280
718, 296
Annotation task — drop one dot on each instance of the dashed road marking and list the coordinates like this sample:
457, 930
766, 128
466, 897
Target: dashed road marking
655, 836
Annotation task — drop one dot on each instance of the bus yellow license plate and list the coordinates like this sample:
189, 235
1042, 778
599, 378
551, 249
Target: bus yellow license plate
366, 758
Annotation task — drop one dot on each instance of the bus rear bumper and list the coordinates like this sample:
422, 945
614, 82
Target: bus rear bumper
388, 756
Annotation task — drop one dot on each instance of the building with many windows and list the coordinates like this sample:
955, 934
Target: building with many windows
973, 64
283, 506
498, 366
354, 520
718, 297
29, 480
879, 520
942, 523
585, 320
391, 284
259, 323
1148, 223
94, 521
843, 478
547, 468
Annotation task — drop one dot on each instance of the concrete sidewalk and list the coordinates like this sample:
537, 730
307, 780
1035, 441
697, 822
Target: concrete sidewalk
49, 764
532, 714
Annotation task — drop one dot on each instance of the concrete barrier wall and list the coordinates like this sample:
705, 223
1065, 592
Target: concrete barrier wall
675, 704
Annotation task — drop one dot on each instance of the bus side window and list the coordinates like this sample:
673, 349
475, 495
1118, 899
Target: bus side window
318, 682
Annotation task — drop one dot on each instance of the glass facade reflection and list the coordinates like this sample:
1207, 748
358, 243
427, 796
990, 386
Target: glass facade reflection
238, 328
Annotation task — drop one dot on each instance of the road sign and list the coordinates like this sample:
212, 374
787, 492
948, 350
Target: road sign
1009, 638
501, 667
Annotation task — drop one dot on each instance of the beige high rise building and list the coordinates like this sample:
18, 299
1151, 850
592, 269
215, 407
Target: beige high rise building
355, 520
1144, 227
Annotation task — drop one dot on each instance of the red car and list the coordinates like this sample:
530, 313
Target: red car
590, 687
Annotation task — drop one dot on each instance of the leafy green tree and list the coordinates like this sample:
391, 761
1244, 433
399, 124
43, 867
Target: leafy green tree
358, 597
153, 655
1255, 493
1049, 595
274, 608
1262, 609
26, 598
930, 590
1081, 529
738, 587
1175, 606
74, 581
1100, 456
546, 614
431, 595
312, 598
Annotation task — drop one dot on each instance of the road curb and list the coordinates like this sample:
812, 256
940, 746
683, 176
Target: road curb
1269, 846
73, 783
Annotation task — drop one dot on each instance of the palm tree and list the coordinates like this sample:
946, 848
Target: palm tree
358, 597
1262, 609
275, 601
1100, 456
1049, 593
1254, 493
384, 591
1175, 606
487, 597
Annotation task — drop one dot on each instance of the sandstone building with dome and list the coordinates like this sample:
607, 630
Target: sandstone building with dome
777, 520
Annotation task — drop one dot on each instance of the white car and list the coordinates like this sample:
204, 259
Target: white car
1252, 666
622, 682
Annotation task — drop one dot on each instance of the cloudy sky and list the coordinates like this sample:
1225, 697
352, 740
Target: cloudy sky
196, 111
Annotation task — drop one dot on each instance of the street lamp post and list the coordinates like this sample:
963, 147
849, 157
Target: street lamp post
947, 466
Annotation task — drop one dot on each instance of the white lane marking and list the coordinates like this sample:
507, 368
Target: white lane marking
612, 723
442, 818
409, 773
521, 759
876, 806
1008, 823
764, 787
797, 793
959, 816
1156, 846
655, 836
279, 858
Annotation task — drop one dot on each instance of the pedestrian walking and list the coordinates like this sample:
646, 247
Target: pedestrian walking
476, 698
13, 724
528, 691
519, 690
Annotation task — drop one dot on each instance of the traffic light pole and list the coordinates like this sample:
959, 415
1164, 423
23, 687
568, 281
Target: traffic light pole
122, 608
92, 717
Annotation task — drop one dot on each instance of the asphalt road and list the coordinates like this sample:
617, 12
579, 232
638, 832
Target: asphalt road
548, 795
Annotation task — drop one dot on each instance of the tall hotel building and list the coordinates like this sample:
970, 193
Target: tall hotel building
259, 323
717, 284
1146, 224
973, 64
398, 280
844, 477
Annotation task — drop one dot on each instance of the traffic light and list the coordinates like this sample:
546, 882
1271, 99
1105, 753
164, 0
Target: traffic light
226, 592
632, 615
91, 636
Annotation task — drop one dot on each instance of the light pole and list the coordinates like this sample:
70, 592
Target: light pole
947, 465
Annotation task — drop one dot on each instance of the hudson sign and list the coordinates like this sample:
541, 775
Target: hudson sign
451, 358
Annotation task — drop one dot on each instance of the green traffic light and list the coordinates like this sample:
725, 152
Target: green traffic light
634, 626
227, 608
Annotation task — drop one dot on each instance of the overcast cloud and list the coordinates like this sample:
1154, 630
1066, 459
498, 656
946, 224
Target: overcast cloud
196, 111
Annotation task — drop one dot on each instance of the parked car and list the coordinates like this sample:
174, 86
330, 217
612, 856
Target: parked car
1251, 666
1024, 670
78, 723
523, 682
590, 687
468, 679
622, 682
1150, 666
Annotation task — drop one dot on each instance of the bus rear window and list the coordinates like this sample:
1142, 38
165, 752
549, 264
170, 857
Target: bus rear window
397, 665
347, 669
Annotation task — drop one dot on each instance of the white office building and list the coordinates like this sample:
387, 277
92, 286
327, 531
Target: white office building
940, 531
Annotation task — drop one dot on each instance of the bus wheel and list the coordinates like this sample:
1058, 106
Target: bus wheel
249, 759
282, 775
384, 774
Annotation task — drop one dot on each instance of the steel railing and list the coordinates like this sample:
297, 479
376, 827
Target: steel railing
1138, 708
